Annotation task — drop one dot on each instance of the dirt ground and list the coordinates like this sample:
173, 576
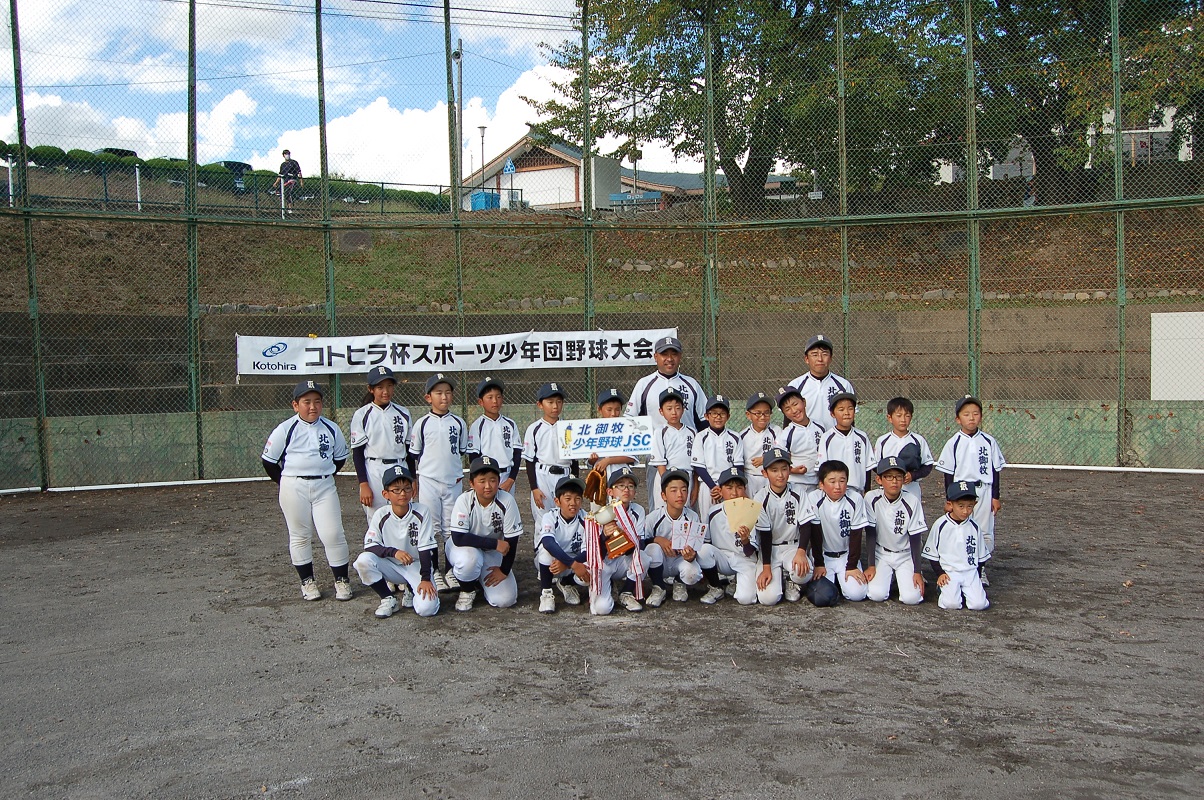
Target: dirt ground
155, 645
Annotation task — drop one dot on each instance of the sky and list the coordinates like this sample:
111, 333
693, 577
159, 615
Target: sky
114, 74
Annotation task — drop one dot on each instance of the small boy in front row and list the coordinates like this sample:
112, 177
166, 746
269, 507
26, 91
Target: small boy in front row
974, 457
560, 547
399, 535
955, 549
892, 541
837, 526
485, 529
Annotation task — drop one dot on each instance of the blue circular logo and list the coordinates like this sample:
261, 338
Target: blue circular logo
274, 350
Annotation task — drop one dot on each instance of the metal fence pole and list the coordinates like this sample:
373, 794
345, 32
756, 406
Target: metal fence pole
587, 180
453, 190
31, 271
973, 277
843, 181
710, 291
1123, 423
324, 190
190, 208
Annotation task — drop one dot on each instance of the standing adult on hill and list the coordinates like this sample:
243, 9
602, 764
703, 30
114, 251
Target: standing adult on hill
289, 179
819, 384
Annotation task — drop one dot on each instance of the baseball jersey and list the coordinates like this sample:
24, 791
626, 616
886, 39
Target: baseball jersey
754, 444
496, 438
498, 520
802, 443
382, 432
838, 519
971, 458
438, 444
569, 534
541, 447
646, 396
895, 522
782, 515
889, 444
638, 516
817, 392
304, 448
715, 451
659, 523
721, 535
853, 448
671, 447
411, 533
955, 545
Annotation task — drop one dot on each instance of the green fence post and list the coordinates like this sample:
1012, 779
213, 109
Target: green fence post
710, 277
973, 278
324, 190
1124, 425
842, 179
587, 180
31, 271
453, 193
190, 209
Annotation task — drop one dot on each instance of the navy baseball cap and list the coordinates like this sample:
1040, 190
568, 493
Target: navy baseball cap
483, 464
675, 475
549, 390
397, 472
965, 401
570, 482
305, 387
889, 463
836, 398
962, 490
786, 392
489, 382
759, 397
437, 379
818, 340
719, 401
668, 343
378, 374
773, 455
671, 394
609, 396
621, 474
730, 474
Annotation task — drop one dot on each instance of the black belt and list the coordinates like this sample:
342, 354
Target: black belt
834, 555
309, 477
887, 549
554, 470
385, 460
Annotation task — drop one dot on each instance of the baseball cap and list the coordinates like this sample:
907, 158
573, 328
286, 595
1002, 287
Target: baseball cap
378, 374
773, 455
818, 340
759, 397
305, 387
675, 475
549, 390
719, 401
962, 490
621, 474
836, 398
489, 382
787, 392
822, 593
570, 482
609, 396
887, 464
483, 464
965, 401
667, 343
671, 394
397, 472
437, 379
730, 474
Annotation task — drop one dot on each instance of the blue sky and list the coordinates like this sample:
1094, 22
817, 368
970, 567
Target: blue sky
112, 74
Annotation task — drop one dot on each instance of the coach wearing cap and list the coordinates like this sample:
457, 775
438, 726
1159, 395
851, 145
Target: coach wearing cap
820, 384
646, 395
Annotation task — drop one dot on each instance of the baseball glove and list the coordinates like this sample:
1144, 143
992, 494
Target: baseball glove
595, 487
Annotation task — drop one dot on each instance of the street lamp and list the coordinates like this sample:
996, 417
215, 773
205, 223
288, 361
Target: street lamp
481, 128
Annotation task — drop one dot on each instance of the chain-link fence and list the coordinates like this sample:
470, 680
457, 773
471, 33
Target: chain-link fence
947, 191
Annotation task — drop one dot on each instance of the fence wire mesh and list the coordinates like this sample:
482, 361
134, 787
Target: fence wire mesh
1044, 252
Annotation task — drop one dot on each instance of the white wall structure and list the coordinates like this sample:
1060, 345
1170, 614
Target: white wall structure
1177, 356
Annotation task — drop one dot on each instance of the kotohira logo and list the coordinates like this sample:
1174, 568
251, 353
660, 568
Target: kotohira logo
273, 366
271, 351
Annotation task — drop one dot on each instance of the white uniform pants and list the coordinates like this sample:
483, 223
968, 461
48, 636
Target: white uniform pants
849, 587
688, 572
613, 569
313, 507
470, 564
373, 568
963, 583
375, 469
984, 517
440, 498
896, 566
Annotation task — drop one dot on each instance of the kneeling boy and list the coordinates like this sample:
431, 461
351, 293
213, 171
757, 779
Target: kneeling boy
892, 542
955, 549
399, 534
485, 527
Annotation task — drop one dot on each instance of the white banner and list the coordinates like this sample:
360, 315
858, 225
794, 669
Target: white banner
616, 436
270, 355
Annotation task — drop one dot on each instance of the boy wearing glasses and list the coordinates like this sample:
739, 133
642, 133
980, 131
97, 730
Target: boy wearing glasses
758, 437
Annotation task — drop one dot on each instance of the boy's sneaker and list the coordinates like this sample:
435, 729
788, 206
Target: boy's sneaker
407, 597
629, 602
793, 592
713, 595
982, 573
342, 589
310, 590
729, 588
569, 592
680, 593
449, 578
547, 601
387, 608
656, 597
440, 582
465, 600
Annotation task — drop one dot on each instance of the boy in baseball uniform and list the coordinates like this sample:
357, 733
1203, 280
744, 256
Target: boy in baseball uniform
955, 549
735, 551
438, 447
485, 529
380, 435
621, 486
560, 547
610, 405
837, 527
541, 451
902, 442
672, 519
760, 434
714, 451
671, 446
845, 442
494, 434
819, 383
800, 438
780, 532
399, 548
892, 540
973, 456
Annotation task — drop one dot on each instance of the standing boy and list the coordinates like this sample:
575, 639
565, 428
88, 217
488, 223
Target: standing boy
671, 445
610, 406
844, 442
760, 435
955, 549
380, 435
819, 383
494, 434
909, 447
484, 534
714, 451
542, 452
800, 438
892, 541
438, 447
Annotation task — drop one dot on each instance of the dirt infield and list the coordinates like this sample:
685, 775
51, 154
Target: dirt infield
155, 645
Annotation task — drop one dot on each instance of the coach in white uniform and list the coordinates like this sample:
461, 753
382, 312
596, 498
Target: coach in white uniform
820, 384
